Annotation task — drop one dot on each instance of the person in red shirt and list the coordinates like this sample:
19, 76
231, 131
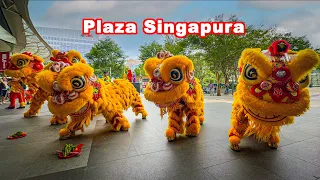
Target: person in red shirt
130, 75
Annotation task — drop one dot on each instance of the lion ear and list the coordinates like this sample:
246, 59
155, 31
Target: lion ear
83, 61
190, 69
55, 52
37, 58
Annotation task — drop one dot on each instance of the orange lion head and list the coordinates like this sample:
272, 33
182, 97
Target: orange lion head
60, 60
23, 65
170, 78
273, 83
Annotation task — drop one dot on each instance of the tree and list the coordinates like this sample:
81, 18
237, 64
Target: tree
107, 54
201, 70
222, 52
149, 50
297, 43
140, 71
175, 45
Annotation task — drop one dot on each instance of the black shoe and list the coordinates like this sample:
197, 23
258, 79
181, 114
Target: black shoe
10, 107
21, 107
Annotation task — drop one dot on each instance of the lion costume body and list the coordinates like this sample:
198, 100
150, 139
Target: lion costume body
272, 89
77, 92
24, 67
174, 89
49, 74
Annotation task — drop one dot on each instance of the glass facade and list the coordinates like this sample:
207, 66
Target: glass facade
67, 39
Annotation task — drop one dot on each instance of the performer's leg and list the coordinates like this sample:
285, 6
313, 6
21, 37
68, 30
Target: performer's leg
13, 97
275, 138
239, 124
36, 103
22, 100
116, 119
193, 123
137, 106
175, 124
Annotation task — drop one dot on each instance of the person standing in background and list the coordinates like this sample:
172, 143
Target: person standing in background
227, 88
134, 77
3, 89
129, 75
211, 89
106, 77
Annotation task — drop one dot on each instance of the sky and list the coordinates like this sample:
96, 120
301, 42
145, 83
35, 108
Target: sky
299, 17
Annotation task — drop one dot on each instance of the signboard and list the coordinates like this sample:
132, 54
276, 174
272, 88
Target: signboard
145, 81
4, 58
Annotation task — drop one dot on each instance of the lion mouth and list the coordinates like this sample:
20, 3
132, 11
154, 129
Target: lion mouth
63, 97
272, 118
160, 86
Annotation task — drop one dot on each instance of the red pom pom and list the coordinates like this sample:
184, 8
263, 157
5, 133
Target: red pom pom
38, 66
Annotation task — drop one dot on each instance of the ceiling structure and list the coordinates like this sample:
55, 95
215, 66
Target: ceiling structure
17, 33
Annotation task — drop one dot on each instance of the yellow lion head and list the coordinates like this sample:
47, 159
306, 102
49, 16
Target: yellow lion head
60, 60
73, 89
170, 76
273, 84
23, 65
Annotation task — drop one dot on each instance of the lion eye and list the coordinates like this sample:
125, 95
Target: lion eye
78, 83
22, 62
250, 72
176, 75
75, 60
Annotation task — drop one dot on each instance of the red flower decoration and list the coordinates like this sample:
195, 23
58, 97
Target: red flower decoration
281, 74
260, 92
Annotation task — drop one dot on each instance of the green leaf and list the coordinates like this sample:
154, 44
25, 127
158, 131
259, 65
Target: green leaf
107, 54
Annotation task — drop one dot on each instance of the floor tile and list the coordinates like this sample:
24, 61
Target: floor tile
307, 150
283, 165
240, 169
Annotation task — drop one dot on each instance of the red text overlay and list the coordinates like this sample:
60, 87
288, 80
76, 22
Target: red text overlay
159, 26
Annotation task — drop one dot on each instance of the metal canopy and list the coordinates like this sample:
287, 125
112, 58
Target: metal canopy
16, 21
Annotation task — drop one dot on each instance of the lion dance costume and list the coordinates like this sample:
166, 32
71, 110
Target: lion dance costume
272, 90
174, 89
59, 61
77, 92
16, 91
24, 67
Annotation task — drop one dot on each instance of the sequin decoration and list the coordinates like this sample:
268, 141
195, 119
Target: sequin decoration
291, 86
281, 74
266, 85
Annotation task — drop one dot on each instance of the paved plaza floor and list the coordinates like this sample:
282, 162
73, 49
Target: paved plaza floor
144, 152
